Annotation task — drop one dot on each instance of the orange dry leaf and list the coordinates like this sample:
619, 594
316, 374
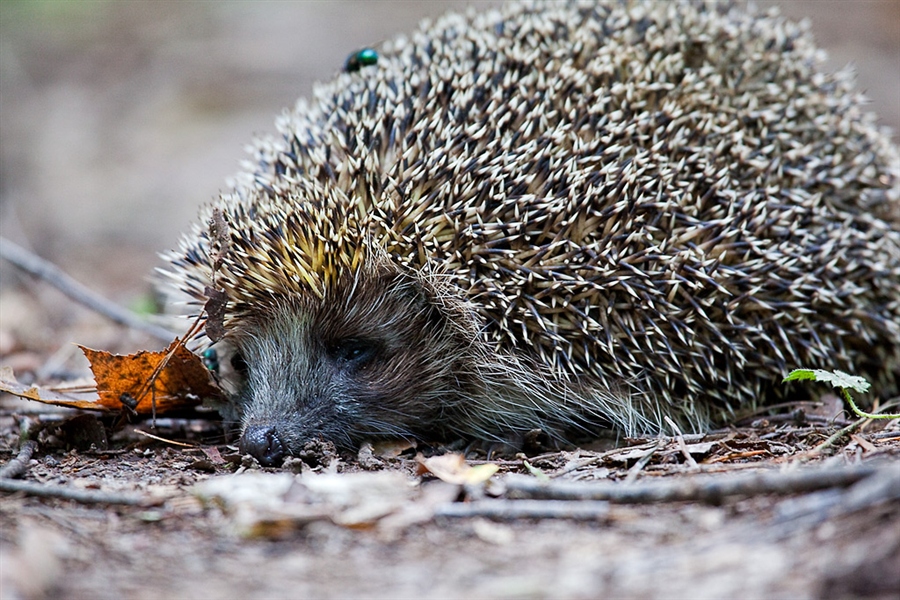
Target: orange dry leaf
453, 468
182, 382
78, 397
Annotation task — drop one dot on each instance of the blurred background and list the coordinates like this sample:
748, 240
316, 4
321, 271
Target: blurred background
119, 118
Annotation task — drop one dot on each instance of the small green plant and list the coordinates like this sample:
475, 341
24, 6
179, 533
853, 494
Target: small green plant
845, 382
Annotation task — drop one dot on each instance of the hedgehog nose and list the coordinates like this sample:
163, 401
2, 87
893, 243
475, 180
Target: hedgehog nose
263, 444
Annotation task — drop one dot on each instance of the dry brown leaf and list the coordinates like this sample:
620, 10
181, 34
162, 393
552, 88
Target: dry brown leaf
452, 468
10, 385
182, 383
121, 381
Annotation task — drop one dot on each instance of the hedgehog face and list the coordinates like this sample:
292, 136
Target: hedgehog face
362, 361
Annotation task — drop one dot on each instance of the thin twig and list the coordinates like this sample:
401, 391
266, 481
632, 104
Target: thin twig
47, 271
149, 384
682, 446
883, 487
596, 458
884, 435
643, 461
69, 493
164, 440
510, 510
701, 488
19, 464
836, 437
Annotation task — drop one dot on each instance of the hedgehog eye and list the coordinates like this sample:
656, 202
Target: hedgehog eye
354, 352
239, 364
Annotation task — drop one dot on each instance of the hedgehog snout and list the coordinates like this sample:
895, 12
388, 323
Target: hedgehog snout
263, 443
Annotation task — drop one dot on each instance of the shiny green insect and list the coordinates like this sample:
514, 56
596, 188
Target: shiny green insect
359, 59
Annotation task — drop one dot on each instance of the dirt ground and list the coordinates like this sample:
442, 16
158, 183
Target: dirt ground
206, 526
116, 121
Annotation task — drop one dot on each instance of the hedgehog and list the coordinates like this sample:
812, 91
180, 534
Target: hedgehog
573, 217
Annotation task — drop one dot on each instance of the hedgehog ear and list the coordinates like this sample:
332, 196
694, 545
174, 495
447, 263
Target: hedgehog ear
433, 290
410, 286
447, 304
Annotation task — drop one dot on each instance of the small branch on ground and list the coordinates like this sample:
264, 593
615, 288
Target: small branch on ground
47, 271
835, 438
19, 464
884, 435
510, 510
82, 496
164, 440
644, 460
883, 486
682, 446
702, 489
